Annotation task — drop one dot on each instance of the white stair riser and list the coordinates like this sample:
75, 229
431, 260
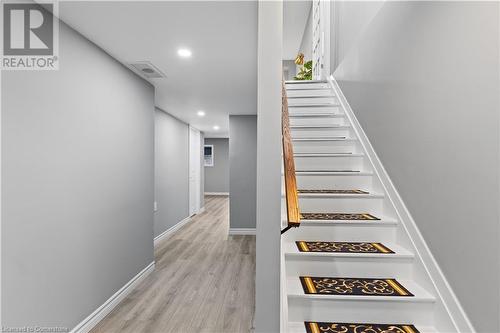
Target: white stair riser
293, 110
313, 100
307, 265
309, 92
321, 132
318, 85
328, 163
348, 311
345, 233
336, 146
373, 206
354, 181
317, 121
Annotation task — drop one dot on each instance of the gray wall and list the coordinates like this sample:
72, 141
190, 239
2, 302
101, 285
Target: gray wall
242, 173
77, 185
423, 81
217, 177
289, 69
171, 171
269, 163
306, 44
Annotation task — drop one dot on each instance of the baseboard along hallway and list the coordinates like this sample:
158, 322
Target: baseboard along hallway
203, 281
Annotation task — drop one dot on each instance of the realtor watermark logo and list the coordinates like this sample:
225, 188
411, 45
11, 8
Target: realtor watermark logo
30, 36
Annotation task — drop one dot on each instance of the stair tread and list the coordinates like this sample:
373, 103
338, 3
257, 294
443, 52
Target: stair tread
292, 87
316, 114
328, 172
337, 173
325, 138
290, 249
313, 105
343, 195
381, 222
328, 154
304, 81
312, 96
298, 327
294, 289
319, 126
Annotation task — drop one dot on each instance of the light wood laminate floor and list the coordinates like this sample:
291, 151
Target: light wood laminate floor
204, 281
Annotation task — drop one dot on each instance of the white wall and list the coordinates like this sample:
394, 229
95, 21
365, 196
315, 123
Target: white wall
306, 44
423, 81
77, 185
171, 171
242, 171
349, 19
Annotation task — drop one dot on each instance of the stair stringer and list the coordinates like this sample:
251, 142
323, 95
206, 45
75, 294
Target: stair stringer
450, 315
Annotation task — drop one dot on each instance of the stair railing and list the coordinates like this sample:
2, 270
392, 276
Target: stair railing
291, 193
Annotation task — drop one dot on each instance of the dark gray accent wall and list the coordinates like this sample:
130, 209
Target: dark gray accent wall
217, 176
77, 185
242, 171
171, 171
423, 81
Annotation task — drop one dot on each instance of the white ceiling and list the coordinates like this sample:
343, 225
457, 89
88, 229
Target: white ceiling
295, 14
220, 77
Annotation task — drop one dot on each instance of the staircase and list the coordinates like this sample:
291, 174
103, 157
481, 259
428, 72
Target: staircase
351, 265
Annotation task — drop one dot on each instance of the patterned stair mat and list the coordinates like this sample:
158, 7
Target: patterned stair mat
342, 247
320, 327
332, 192
338, 216
353, 286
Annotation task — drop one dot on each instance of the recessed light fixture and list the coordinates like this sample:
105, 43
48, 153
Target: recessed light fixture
201, 113
216, 128
184, 53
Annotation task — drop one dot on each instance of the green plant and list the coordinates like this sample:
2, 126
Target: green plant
305, 72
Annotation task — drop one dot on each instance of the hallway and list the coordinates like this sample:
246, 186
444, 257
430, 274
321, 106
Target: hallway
203, 281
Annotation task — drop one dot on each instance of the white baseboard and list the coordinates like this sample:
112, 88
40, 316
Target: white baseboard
202, 209
167, 233
242, 231
95, 317
217, 193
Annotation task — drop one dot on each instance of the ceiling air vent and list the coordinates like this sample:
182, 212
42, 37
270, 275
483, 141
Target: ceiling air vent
147, 69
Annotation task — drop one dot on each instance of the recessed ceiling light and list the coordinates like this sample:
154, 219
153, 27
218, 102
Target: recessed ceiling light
201, 113
216, 128
184, 53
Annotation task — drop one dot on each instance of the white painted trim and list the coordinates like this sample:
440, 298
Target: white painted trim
217, 193
167, 233
202, 210
242, 231
95, 317
443, 288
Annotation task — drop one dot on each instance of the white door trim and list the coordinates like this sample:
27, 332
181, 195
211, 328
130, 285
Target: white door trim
194, 171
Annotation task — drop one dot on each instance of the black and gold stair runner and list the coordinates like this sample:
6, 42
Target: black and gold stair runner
332, 192
321, 327
342, 247
353, 286
338, 216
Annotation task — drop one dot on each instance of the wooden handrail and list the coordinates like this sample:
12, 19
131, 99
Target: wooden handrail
291, 193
